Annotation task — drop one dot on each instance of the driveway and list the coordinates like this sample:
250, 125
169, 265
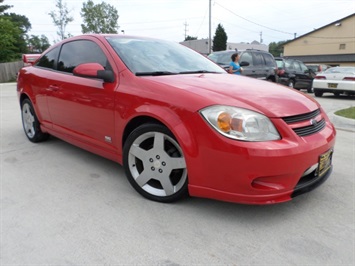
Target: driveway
61, 205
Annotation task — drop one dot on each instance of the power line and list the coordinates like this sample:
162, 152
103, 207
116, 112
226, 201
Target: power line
252, 21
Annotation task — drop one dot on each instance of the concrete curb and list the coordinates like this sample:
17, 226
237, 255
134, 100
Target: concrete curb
342, 123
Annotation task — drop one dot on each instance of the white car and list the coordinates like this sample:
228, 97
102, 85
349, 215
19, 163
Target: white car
337, 80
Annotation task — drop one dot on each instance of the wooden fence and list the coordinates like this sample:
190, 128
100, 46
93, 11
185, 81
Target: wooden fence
8, 71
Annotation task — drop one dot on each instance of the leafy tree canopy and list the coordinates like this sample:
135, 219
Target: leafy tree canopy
8, 34
13, 34
38, 44
3, 7
61, 18
220, 39
190, 38
100, 18
276, 49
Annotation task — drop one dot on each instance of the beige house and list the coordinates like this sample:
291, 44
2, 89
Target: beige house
333, 44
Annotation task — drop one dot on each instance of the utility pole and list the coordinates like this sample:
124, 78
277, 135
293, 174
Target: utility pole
209, 32
261, 37
185, 24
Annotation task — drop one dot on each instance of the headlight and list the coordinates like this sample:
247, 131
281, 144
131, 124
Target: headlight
240, 124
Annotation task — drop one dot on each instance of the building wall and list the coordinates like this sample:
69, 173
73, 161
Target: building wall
201, 46
334, 42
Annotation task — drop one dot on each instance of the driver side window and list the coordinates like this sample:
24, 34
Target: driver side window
78, 52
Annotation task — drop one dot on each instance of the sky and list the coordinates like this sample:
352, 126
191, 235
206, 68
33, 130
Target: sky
244, 21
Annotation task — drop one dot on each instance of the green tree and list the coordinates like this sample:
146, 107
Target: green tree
13, 30
3, 7
100, 18
38, 44
276, 49
190, 38
61, 18
220, 39
24, 25
8, 33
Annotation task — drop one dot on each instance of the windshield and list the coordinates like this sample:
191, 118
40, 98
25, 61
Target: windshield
157, 57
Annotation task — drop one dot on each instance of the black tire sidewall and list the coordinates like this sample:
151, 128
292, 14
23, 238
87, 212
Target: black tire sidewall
39, 135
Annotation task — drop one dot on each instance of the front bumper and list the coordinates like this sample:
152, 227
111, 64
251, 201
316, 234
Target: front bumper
258, 172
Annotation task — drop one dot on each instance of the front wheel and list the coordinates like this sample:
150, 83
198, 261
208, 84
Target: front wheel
291, 83
154, 163
30, 123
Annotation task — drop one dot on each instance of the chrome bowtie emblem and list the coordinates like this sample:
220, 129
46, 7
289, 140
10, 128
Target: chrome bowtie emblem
313, 122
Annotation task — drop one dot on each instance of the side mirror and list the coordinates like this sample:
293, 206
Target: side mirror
94, 70
244, 63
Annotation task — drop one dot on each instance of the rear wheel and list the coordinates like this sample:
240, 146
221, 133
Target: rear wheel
154, 163
318, 93
30, 123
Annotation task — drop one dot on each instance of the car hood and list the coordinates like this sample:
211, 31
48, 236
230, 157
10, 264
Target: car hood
271, 99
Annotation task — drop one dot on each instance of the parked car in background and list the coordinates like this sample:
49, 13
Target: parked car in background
295, 74
256, 63
176, 121
336, 80
317, 68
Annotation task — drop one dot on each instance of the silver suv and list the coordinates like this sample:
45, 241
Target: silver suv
256, 63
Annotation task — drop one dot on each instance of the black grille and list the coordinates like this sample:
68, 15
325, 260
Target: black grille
302, 117
307, 130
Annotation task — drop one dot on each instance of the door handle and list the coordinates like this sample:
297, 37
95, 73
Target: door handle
52, 88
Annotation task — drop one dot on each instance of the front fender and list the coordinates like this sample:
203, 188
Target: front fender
174, 122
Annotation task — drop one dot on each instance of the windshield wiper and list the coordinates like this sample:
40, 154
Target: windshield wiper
198, 72
155, 73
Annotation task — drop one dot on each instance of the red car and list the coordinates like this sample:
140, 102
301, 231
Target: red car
177, 122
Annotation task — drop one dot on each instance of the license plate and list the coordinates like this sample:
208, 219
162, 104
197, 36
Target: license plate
325, 162
332, 85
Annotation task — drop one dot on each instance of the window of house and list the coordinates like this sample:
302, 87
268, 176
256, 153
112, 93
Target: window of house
342, 46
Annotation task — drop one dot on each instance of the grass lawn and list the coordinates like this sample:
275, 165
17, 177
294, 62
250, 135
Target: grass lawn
348, 113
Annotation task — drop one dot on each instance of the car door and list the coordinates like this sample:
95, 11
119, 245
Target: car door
42, 70
303, 80
250, 69
80, 107
260, 69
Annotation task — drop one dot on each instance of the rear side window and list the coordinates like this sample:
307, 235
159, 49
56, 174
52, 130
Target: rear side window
258, 59
269, 60
79, 52
49, 60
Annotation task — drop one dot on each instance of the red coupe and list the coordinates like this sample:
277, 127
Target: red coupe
177, 122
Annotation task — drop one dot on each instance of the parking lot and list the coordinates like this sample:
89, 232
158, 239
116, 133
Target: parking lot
61, 205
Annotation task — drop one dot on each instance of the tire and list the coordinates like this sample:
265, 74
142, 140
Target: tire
318, 93
30, 123
310, 90
336, 94
154, 164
